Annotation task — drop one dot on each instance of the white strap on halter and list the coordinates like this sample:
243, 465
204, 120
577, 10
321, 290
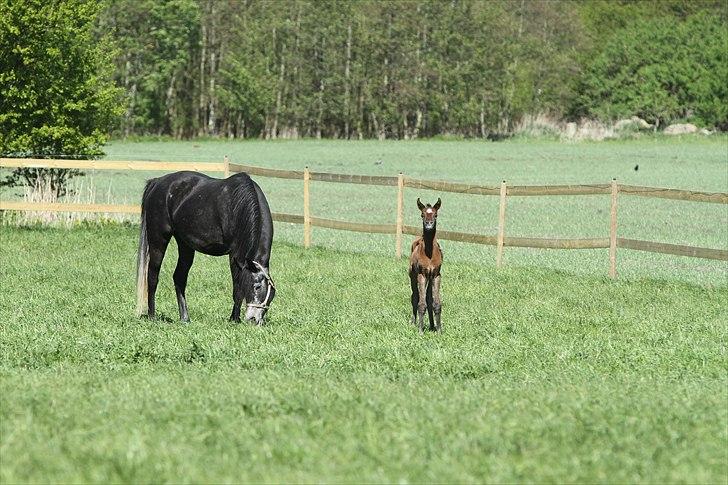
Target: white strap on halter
264, 305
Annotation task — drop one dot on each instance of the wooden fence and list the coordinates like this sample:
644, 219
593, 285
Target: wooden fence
504, 191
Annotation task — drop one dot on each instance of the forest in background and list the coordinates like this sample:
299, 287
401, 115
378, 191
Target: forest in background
395, 69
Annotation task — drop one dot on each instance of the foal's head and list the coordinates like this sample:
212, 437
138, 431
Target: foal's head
429, 214
259, 294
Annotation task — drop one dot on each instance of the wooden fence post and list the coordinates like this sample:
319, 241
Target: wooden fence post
226, 162
306, 209
400, 213
501, 225
613, 232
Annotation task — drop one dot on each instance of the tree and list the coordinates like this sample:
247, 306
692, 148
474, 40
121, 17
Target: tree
663, 69
57, 98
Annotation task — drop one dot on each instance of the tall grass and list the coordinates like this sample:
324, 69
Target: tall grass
81, 190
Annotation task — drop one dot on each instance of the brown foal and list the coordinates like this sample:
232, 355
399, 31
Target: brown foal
424, 271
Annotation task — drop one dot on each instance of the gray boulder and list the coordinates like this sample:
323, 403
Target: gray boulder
634, 122
681, 129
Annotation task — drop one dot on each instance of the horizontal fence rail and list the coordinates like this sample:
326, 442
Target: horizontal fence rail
111, 165
354, 179
675, 194
283, 217
442, 186
535, 190
266, 172
503, 190
68, 207
351, 226
677, 249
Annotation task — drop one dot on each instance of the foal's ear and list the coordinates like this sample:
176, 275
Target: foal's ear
420, 205
437, 204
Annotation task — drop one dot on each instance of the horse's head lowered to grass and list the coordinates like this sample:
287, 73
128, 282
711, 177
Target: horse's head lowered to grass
259, 294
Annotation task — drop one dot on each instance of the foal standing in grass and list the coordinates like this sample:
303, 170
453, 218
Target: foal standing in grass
424, 272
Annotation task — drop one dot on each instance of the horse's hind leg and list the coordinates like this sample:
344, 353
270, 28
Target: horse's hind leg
157, 248
436, 303
184, 263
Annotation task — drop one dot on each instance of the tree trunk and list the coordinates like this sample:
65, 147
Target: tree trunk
211, 120
129, 115
320, 117
418, 124
170, 104
482, 119
347, 87
279, 95
360, 114
201, 118
211, 101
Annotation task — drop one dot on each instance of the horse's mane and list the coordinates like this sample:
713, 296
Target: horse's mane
246, 214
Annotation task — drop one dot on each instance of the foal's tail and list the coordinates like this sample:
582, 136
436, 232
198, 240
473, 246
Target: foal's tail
143, 260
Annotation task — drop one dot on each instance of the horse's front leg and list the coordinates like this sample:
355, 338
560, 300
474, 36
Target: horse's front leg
422, 304
436, 303
184, 263
415, 299
238, 293
430, 317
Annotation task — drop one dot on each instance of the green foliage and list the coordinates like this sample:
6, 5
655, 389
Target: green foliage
662, 70
539, 376
156, 44
401, 69
57, 98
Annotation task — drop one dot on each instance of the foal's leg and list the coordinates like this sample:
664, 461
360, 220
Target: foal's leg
415, 296
184, 263
429, 306
436, 303
238, 293
422, 302
157, 248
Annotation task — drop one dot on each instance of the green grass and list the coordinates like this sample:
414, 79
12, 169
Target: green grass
698, 163
540, 375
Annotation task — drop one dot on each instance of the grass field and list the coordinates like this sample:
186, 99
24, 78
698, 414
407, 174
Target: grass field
539, 376
547, 370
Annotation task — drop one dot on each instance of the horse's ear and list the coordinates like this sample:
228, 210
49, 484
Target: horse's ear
420, 205
437, 204
247, 264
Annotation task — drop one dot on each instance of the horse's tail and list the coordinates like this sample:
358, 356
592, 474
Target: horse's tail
143, 260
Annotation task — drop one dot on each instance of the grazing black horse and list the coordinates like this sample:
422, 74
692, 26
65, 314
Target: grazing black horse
212, 216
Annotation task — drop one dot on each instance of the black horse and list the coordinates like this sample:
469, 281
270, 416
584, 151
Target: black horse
212, 216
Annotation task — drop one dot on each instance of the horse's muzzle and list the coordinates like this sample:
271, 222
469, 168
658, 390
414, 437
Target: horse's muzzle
255, 315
